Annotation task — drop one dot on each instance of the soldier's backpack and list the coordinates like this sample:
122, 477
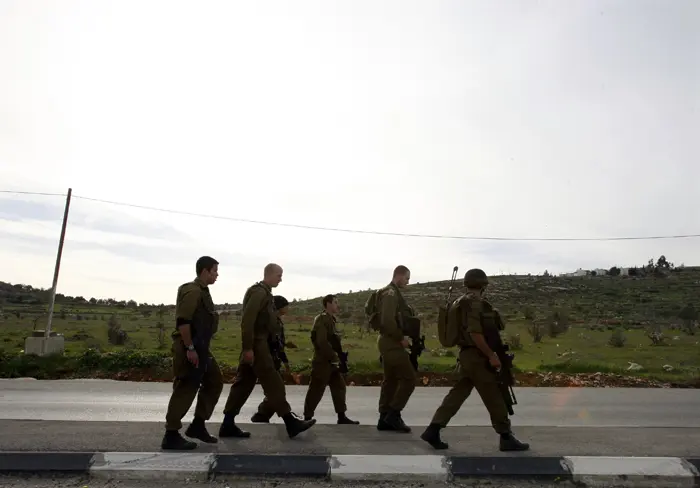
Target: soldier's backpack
450, 323
371, 311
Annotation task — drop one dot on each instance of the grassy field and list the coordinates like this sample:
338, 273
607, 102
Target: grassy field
641, 327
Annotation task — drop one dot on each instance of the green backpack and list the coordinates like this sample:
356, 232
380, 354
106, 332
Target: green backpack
450, 323
371, 311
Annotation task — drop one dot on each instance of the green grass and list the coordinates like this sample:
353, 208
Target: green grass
578, 350
592, 307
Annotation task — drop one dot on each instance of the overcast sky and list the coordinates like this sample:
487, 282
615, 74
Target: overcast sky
469, 118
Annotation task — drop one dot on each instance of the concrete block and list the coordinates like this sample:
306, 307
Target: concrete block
54, 344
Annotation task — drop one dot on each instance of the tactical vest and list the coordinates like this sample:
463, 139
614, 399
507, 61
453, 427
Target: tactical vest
489, 326
404, 313
205, 320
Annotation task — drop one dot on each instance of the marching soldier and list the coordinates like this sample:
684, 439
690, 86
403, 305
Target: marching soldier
328, 365
475, 357
399, 376
258, 321
195, 371
279, 356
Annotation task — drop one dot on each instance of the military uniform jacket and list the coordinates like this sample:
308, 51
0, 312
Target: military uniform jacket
258, 317
392, 309
194, 306
324, 336
478, 315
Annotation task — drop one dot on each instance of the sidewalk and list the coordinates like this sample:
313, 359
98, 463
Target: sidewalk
131, 450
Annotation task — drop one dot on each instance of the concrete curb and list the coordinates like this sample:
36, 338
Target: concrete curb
581, 470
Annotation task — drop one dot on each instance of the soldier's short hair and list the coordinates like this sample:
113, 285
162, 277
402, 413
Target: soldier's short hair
205, 262
271, 268
328, 299
401, 270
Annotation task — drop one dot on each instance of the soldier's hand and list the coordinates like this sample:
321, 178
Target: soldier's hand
193, 358
248, 356
494, 361
404, 343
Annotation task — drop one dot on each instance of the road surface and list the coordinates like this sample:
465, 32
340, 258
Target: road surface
99, 415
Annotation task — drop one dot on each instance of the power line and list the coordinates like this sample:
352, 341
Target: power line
356, 231
16, 192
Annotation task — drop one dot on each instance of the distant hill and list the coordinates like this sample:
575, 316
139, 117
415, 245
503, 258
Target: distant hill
654, 292
651, 296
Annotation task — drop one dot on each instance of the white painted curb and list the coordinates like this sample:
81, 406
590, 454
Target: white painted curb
657, 472
152, 465
389, 467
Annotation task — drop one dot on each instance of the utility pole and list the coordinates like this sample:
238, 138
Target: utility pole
47, 332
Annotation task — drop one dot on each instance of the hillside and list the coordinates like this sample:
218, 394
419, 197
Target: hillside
613, 329
612, 300
656, 294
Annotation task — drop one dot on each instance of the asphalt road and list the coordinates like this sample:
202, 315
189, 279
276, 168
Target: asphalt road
95, 415
107, 400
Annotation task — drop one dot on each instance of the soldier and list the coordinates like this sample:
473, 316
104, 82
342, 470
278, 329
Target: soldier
399, 376
327, 367
474, 359
277, 343
195, 370
258, 321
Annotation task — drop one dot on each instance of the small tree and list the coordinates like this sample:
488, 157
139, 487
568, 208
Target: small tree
115, 334
557, 324
689, 315
617, 338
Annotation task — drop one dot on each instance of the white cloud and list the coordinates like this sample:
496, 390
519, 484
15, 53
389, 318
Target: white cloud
438, 118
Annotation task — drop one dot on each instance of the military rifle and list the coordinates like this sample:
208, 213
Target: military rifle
506, 380
275, 345
452, 285
416, 349
342, 355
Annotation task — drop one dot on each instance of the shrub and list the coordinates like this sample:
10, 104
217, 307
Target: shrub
617, 338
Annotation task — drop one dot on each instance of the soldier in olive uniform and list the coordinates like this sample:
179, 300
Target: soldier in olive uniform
325, 367
195, 371
474, 359
399, 376
258, 321
277, 343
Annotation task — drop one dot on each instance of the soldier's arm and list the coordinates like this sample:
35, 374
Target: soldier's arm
249, 316
387, 317
184, 312
472, 317
321, 339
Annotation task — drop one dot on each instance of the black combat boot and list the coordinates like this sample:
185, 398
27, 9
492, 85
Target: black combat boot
510, 443
381, 423
173, 441
395, 422
230, 429
295, 425
431, 435
344, 420
260, 418
197, 430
